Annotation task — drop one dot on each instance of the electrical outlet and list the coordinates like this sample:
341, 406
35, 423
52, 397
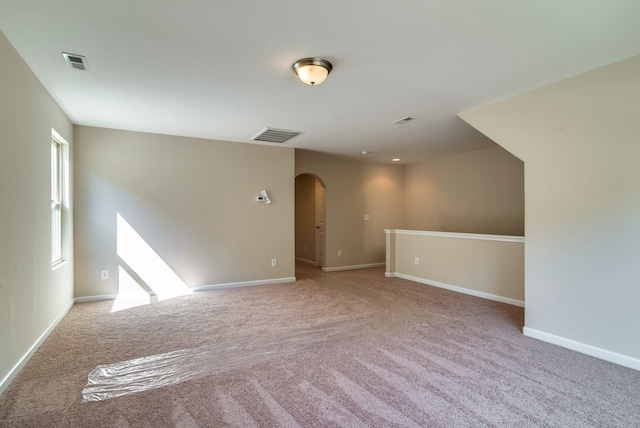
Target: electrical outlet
366, 217
416, 260
104, 274
339, 253
274, 262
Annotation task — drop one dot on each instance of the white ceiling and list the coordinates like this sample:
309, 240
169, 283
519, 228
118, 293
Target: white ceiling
221, 69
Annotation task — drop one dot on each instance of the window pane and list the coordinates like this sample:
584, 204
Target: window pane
56, 201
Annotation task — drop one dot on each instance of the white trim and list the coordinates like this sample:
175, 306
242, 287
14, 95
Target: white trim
102, 297
57, 199
6, 381
583, 348
353, 267
305, 261
98, 298
505, 238
56, 136
458, 289
244, 284
58, 264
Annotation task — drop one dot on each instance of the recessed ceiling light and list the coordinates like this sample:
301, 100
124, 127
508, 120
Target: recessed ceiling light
396, 160
365, 152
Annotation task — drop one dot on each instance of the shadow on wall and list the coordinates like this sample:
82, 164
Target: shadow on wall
142, 271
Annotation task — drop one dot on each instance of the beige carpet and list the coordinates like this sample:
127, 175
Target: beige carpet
340, 349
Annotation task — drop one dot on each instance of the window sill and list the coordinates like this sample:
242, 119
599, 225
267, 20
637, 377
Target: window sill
57, 265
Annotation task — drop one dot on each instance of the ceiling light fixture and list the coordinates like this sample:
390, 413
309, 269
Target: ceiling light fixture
396, 160
312, 71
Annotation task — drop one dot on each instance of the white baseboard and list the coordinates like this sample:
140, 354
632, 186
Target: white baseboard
305, 261
101, 297
603, 354
457, 289
353, 267
98, 298
244, 284
4, 383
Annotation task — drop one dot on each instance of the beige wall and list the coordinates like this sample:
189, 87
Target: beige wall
383, 201
32, 295
354, 189
475, 192
487, 266
193, 201
579, 139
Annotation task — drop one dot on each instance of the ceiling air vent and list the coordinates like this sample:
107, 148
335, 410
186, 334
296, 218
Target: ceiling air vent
77, 62
273, 135
403, 120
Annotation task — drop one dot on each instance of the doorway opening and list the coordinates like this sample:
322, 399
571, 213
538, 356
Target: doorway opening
310, 222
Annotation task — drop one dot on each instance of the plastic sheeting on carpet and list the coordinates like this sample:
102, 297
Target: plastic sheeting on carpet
160, 370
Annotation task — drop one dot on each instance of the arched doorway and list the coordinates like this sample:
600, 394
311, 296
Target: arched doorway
310, 222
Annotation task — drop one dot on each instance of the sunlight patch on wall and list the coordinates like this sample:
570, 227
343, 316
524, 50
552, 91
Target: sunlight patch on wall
142, 260
130, 293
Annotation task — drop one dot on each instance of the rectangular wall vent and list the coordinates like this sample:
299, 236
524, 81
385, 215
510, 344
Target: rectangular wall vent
273, 135
76, 62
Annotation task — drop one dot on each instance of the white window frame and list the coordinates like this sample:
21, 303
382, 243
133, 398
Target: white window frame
57, 198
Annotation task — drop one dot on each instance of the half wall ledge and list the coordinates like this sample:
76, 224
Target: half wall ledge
486, 266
